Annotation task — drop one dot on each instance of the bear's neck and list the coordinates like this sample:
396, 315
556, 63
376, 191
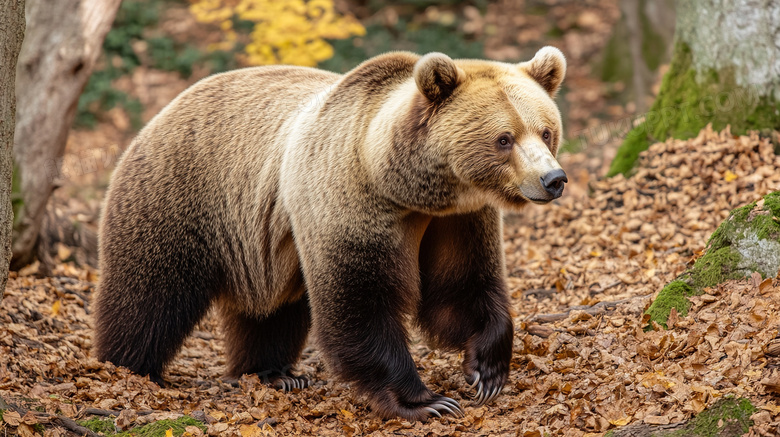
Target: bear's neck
404, 165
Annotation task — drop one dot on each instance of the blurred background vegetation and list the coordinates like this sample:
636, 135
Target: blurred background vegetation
195, 38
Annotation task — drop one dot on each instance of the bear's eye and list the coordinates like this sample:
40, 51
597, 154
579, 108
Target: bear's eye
505, 141
546, 135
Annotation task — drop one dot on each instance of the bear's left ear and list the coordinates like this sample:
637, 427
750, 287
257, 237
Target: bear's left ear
547, 67
437, 76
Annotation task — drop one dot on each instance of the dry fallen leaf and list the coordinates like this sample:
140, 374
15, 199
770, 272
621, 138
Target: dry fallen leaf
12, 418
250, 431
55, 308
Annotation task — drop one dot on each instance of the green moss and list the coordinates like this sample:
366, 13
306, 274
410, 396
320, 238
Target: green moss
674, 295
689, 100
1, 415
715, 267
724, 235
157, 429
635, 143
727, 417
96, 424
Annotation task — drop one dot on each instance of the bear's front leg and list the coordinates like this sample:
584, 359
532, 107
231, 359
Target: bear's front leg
361, 289
464, 304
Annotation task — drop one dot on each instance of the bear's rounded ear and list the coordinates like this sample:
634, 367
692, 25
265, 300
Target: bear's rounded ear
437, 76
547, 67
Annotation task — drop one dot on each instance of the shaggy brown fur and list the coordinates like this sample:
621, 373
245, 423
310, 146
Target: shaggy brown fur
293, 197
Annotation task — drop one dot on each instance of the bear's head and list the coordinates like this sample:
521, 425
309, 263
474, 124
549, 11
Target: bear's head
495, 124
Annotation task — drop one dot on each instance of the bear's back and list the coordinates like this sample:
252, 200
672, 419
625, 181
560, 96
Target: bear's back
202, 179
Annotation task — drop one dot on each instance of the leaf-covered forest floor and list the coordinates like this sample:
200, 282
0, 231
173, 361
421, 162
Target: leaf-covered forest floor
581, 272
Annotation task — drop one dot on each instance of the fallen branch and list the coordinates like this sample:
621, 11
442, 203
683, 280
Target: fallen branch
107, 413
63, 421
605, 288
644, 430
57, 282
71, 425
593, 310
546, 292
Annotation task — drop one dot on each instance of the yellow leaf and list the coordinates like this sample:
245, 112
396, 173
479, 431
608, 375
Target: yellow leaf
595, 253
621, 422
250, 431
169, 432
63, 252
729, 176
347, 414
55, 308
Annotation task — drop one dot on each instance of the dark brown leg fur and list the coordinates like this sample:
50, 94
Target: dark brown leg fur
141, 322
152, 292
464, 304
268, 346
360, 292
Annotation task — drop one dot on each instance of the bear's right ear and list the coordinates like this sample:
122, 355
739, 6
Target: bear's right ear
437, 76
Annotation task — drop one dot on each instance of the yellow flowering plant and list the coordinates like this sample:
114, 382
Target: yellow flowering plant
285, 31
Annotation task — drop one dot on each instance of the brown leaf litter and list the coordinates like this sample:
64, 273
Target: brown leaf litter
592, 261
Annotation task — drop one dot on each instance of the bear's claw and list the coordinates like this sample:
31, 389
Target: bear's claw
485, 392
445, 404
288, 383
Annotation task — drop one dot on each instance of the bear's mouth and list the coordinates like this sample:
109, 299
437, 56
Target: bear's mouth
540, 201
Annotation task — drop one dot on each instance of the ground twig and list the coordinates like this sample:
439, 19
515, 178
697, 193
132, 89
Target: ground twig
593, 310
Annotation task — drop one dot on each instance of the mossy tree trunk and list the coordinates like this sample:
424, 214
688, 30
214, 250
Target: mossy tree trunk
64, 39
11, 35
725, 70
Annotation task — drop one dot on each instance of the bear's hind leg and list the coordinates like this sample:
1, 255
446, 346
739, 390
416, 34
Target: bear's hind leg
140, 326
268, 346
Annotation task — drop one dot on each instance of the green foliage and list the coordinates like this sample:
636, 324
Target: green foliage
134, 21
688, 101
433, 37
96, 424
727, 417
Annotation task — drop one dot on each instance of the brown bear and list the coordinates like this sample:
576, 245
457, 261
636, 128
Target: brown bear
296, 198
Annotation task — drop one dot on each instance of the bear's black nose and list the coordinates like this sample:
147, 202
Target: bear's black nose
553, 182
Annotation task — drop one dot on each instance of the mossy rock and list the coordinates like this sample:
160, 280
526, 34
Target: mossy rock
747, 241
688, 101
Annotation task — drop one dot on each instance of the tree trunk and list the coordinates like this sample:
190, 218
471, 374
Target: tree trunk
64, 38
11, 35
725, 70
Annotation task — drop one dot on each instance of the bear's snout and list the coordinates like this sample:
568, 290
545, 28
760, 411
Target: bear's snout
554, 181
